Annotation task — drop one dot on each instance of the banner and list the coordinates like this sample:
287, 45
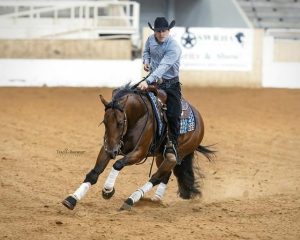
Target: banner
224, 49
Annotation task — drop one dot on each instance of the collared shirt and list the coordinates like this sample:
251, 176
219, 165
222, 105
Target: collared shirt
164, 58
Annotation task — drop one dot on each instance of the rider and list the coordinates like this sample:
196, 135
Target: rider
161, 56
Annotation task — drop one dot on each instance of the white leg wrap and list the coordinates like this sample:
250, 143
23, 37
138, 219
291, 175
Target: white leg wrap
138, 194
147, 187
160, 191
111, 179
81, 191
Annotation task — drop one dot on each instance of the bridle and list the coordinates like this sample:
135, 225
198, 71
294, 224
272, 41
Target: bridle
115, 105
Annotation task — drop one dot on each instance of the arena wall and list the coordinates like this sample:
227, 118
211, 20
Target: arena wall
65, 49
230, 78
204, 13
286, 50
226, 78
281, 63
100, 63
68, 72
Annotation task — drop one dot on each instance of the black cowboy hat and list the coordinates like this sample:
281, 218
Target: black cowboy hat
161, 23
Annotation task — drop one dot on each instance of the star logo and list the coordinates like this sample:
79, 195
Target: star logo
188, 39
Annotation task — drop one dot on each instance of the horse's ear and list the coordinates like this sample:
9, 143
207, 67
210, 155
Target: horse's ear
105, 103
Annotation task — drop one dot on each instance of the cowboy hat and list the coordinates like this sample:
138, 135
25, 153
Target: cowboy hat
160, 24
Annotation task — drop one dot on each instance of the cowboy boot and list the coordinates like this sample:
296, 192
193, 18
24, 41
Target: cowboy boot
170, 151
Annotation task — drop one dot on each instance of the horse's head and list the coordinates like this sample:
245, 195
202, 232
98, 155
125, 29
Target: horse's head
115, 121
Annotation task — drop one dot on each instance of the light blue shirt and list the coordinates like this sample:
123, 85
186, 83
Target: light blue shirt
164, 58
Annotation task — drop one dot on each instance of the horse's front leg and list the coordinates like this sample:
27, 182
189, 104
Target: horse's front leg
130, 159
108, 188
163, 172
90, 179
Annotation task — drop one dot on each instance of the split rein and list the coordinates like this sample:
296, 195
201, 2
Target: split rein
115, 105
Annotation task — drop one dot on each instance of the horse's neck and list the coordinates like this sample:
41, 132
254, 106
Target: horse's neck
137, 107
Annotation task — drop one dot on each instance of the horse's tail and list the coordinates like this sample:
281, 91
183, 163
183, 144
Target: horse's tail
188, 174
188, 187
208, 153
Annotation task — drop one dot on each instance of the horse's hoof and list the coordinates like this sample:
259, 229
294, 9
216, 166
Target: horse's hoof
156, 199
69, 202
127, 205
108, 195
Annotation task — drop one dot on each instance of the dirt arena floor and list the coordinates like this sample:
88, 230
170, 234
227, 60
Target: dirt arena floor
251, 191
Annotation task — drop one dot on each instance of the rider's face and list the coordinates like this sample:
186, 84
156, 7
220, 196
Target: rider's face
162, 35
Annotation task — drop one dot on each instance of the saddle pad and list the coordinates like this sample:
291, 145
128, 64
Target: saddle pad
156, 112
187, 123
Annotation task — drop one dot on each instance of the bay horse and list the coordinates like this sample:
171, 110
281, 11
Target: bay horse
130, 127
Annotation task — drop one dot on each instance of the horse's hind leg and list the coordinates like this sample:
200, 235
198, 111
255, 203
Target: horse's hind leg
90, 179
162, 186
164, 169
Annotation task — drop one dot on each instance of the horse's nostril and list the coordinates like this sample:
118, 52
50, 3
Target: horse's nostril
113, 153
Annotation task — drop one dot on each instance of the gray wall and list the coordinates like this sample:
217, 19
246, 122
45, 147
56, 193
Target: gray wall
150, 9
215, 13
192, 13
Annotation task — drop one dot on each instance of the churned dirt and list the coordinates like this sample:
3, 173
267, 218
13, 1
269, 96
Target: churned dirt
49, 140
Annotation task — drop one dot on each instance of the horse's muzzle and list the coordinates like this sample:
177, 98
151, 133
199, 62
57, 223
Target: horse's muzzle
114, 150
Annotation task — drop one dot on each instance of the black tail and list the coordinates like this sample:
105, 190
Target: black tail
208, 153
188, 187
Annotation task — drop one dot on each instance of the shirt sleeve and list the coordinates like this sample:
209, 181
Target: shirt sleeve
171, 56
146, 53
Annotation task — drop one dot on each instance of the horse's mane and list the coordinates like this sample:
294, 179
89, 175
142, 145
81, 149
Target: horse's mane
123, 91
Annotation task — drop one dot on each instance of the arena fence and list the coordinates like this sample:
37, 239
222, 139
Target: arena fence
68, 19
65, 49
97, 63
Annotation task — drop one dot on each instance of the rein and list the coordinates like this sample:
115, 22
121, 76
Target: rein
143, 161
144, 78
115, 105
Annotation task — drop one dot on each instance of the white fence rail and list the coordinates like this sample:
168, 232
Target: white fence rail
66, 19
72, 73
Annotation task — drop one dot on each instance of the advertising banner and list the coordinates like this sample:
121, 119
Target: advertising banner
224, 49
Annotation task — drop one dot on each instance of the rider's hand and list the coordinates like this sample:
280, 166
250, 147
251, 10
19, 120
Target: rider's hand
143, 85
147, 67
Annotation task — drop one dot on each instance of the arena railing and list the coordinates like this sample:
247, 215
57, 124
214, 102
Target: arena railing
68, 19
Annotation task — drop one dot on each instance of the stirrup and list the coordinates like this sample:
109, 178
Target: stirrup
170, 148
